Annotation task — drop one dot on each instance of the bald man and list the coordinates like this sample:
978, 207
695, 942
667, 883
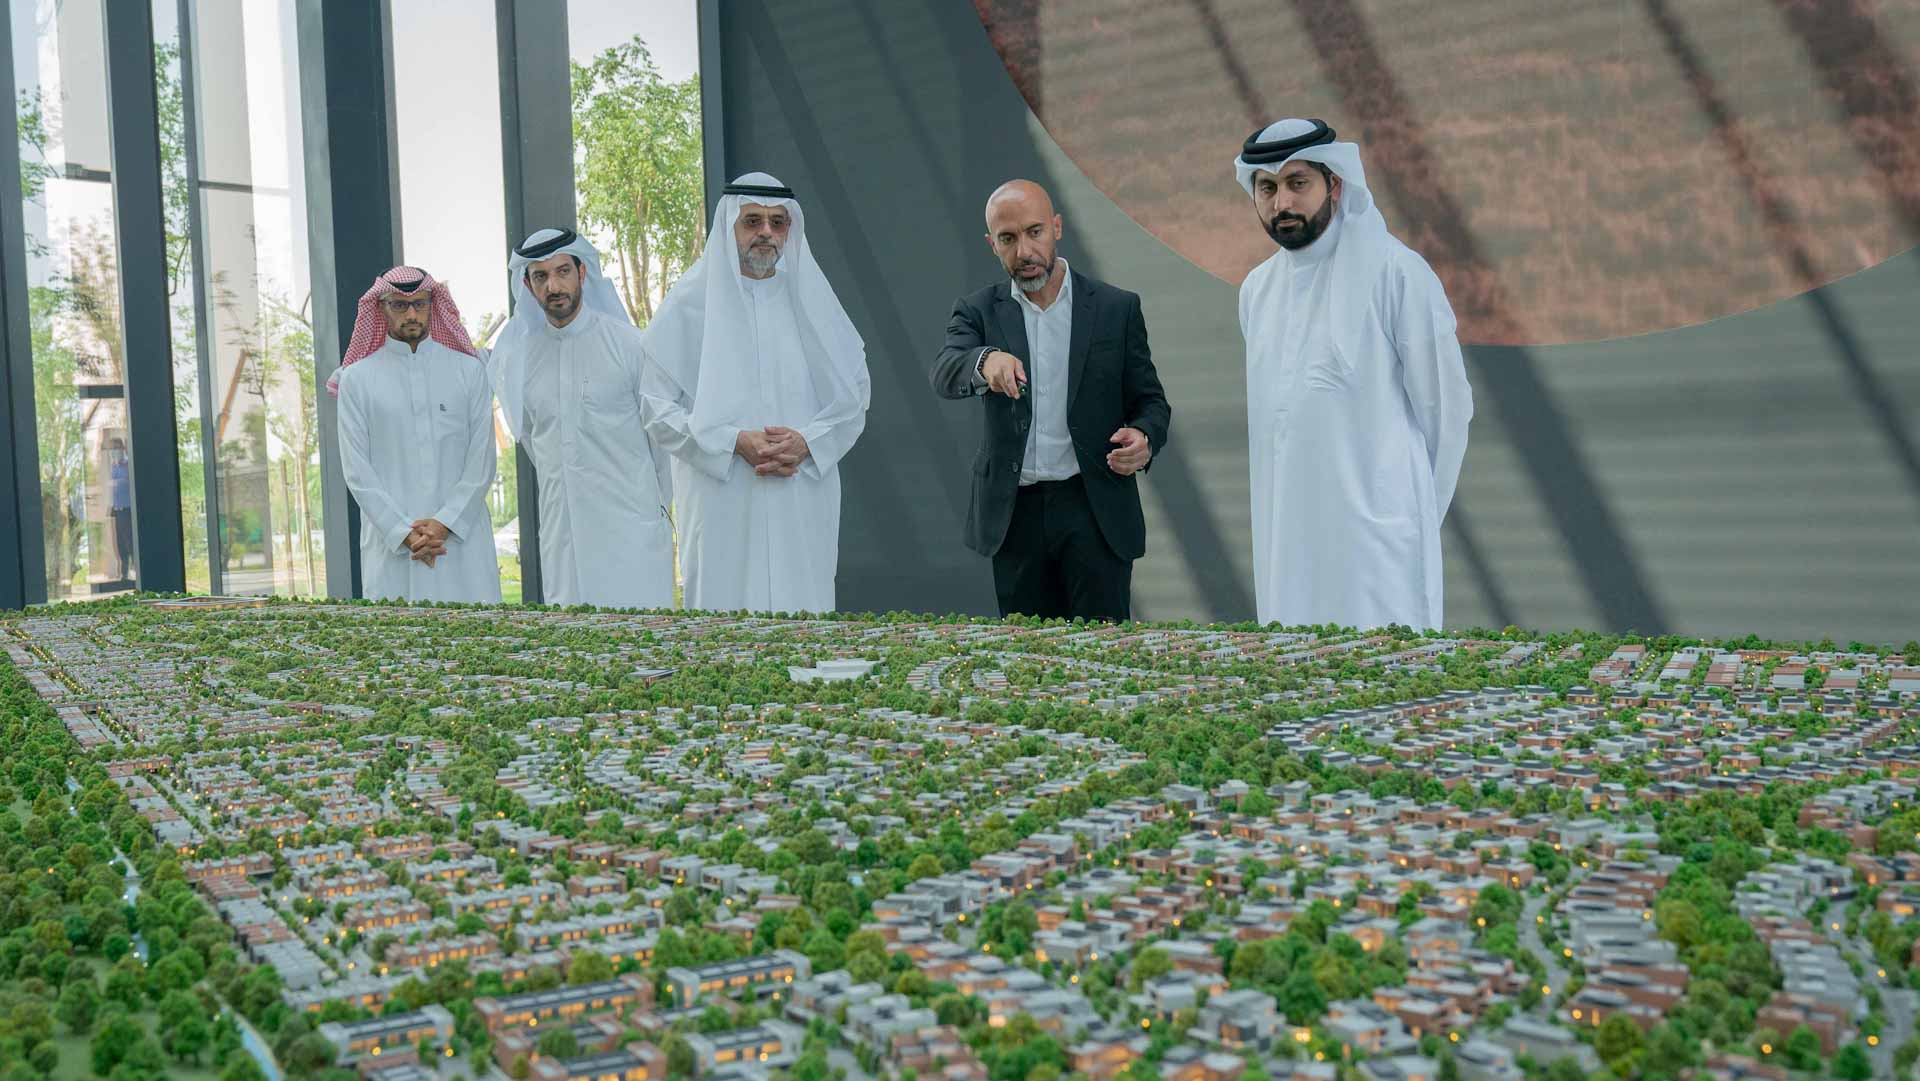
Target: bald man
1073, 411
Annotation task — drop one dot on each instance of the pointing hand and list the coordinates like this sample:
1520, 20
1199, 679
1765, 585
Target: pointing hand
1005, 374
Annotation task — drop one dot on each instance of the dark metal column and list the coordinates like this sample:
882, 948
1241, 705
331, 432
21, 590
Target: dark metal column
23, 571
713, 131
353, 217
536, 146
140, 229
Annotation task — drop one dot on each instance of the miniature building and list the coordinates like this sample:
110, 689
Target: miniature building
389, 1036
770, 973
565, 1004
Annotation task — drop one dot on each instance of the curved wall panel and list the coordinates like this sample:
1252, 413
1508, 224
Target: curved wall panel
1583, 171
1752, 472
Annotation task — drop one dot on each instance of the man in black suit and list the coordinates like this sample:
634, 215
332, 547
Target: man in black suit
1073, 409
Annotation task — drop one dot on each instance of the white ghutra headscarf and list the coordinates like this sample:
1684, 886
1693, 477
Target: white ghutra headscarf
509, 360
702, 337
1363, 241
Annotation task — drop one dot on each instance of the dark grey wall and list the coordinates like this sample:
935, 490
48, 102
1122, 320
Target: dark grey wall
1755, 473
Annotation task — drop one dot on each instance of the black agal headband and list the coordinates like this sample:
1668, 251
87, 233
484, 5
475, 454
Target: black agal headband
764, 190
1255, 152
545, 248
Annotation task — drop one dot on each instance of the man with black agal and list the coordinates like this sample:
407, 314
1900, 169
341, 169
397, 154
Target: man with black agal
1357, 395
568, 370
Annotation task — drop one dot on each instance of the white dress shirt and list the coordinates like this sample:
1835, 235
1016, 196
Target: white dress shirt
1049, 341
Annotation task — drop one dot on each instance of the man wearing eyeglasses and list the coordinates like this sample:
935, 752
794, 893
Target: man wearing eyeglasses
417, 445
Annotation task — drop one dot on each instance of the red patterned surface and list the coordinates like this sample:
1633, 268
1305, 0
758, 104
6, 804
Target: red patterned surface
1608, 169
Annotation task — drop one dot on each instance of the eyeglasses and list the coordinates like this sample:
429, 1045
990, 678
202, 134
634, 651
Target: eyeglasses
419, 305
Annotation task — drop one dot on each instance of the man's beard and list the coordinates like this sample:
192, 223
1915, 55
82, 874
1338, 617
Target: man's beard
1314, 228
563, 311
1030, 285
759, 259
411, 335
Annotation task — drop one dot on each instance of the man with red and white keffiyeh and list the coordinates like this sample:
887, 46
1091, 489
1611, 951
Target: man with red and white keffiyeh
416, 444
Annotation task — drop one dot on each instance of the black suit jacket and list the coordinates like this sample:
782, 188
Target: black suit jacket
1111, 384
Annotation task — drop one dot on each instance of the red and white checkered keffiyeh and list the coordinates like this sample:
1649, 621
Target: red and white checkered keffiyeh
370, 325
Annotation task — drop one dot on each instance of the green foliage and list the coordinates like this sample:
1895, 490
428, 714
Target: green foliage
589, 967
79, 1005
558, 1042
812, 1066
1301, 998
679, 1054
1020, 1048
1733, 972
639, 174
186, 1040
823, 950
1907, 1053
116, 1038
1618, 1041
1151, 964
1678, 922
1803, 1049
1669, 1053
957, 1010
1852, 1063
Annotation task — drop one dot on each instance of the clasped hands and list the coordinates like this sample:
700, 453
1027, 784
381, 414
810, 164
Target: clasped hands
1006, 375
773, 451
427, 540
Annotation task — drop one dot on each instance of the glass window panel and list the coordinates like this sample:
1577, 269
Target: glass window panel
73, 295
637, 155
637, 174
453, 194
258, 331
181, 293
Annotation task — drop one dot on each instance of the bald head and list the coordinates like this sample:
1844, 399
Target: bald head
1023, 230
1023, 198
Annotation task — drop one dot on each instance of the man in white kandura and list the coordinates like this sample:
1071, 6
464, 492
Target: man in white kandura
758, 386
416, 444
568, 370
1357, 396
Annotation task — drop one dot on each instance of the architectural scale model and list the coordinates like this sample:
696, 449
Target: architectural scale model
301, 840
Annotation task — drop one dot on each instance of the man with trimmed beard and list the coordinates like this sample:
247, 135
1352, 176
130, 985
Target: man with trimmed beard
1357, 395
416, 444
757, 384
1073, 411
568, 370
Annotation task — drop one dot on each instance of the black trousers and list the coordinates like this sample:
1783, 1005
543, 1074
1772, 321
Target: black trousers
1055, 563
